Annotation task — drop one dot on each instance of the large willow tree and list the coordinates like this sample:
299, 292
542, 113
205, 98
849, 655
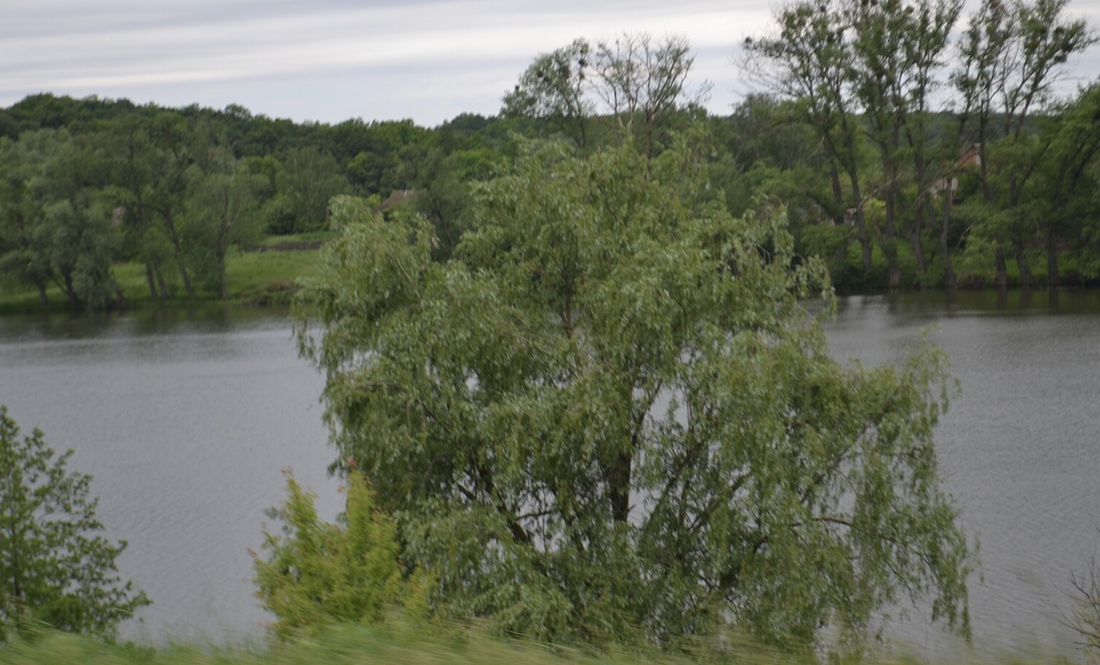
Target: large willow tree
609, 417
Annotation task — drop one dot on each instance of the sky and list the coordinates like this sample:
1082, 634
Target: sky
332, 60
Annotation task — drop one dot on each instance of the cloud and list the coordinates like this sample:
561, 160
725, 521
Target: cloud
425, 59
124, 48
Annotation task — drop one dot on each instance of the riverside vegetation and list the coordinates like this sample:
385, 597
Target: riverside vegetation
911, 148
576, 368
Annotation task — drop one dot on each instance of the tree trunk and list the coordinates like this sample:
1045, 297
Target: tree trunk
164, 293
1026, 279
1002, 269
890, 245
70, 292
223, 290
42, 293
919, 214
861, 226
176, 247
619, 481
918, 244
948, 267
151, 279
1054, 278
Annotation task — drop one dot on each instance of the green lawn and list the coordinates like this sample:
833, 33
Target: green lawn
313, 236
253, 277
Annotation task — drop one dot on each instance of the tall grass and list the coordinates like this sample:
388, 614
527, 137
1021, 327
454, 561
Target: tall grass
393, 643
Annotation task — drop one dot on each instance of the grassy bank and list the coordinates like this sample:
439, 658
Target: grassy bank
265, 275
401, 642
387, 645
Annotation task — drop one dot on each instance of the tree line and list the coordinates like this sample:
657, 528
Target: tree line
85, 184
949, 157
907, 157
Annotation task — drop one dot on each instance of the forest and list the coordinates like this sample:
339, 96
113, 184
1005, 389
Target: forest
911, 148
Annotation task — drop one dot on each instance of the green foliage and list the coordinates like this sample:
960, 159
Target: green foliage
223, 210
56, 217
610, 418
555, 88
54, 567
635, 85
317, 573
303, 186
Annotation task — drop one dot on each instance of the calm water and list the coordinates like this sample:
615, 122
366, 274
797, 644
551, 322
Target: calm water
186, 419
1019, 449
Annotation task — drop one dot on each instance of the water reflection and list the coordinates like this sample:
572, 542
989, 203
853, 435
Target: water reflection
946, 304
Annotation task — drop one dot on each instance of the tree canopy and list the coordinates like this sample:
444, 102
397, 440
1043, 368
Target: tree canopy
610, 416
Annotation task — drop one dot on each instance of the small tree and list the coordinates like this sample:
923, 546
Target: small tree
319, 573
1084, 618
54, 567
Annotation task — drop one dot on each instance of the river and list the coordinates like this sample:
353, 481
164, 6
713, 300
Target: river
187, 418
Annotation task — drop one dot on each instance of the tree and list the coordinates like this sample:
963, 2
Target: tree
21, 254
1064, 203
555, 88
152, 158
318, 573
809, 62
55, 568
56, 216
645, 80
1084, 618
223, 209
303, 187
639, 81
897, 49
609, 417
1012, 55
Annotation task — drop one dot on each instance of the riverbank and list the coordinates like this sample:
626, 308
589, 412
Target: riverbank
263, 275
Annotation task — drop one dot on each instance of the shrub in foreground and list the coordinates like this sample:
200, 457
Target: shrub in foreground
55, 567
318, 573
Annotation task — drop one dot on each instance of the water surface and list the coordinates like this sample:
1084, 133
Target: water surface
1019, 449
187, 417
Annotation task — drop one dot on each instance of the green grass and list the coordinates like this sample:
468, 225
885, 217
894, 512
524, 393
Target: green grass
391, 644
257, 273
263, 277
402, 643
313, 236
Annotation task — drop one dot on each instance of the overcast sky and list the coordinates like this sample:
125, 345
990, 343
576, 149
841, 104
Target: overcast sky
330, 60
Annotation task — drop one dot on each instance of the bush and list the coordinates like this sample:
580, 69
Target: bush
1085, 616
318, 573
